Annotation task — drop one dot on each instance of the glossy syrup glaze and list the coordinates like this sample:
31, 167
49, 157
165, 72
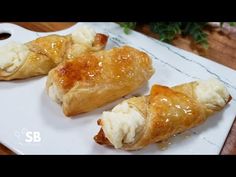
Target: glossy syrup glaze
164, 145
118, 66
174, 111
53, 46
86, 68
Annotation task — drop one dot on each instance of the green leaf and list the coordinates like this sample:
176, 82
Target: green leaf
167, 31
127, 26
195, 30
232, 23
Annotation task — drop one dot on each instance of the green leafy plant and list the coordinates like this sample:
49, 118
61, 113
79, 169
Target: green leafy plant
127, 26
167, 31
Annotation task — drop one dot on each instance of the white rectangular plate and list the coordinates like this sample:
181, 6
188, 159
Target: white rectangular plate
25, 107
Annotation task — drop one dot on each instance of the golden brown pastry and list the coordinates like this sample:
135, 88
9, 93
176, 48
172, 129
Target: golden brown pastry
140, 121
38, 57
94, 79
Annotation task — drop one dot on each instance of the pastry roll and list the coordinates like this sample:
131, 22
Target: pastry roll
38, 57
140, 121
94, 79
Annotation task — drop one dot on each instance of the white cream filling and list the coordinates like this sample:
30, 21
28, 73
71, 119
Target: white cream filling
212, 93
84, 35
122, 124
12, 56
53, 93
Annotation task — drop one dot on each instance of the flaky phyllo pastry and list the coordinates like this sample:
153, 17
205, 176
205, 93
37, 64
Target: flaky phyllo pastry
94, 79
38, 57
140, 121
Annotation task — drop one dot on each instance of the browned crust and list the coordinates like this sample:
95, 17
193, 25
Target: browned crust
100, 41
230, 98
100, 138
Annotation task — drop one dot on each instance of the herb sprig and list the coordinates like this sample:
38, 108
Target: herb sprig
167, 31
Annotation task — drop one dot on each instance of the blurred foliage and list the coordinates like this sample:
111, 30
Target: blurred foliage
167, 31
